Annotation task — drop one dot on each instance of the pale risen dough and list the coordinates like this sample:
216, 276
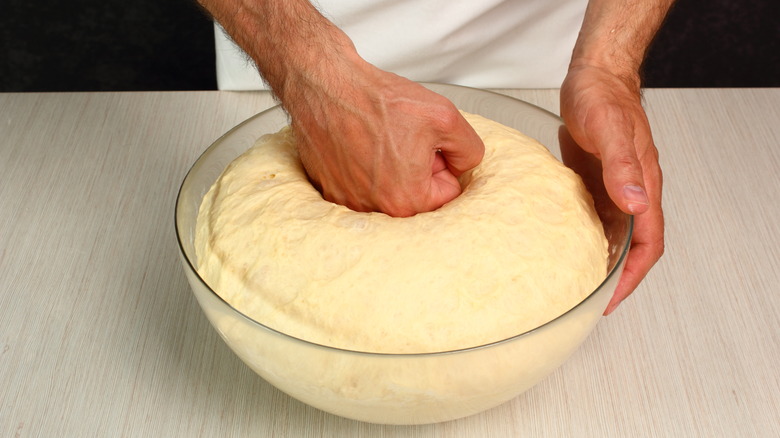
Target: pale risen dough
520, 246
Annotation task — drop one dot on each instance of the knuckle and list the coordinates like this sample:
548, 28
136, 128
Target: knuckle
654, 155
623, 162
399, 210
395, 203
660, 247
446, 117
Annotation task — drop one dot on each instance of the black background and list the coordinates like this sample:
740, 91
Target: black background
103, 45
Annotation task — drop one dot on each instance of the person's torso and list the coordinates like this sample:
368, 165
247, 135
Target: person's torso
485, 44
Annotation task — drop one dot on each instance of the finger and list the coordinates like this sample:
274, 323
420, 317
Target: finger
444, 188
465, 148
623, 177
439, 163
647, 247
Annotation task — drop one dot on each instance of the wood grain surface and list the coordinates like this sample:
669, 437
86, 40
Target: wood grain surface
101, 336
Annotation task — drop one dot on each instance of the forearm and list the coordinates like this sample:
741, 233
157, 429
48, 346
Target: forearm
289, 40
616, 34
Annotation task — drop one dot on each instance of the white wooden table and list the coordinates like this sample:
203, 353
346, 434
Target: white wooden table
100, 335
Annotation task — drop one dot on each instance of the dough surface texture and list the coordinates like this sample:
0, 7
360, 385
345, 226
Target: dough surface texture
520, 246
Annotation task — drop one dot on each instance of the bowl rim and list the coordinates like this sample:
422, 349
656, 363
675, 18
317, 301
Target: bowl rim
612, 272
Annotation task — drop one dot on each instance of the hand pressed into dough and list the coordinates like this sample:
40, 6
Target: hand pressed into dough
395, 147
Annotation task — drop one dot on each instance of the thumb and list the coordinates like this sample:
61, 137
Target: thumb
464, 150
444, 185
623, 177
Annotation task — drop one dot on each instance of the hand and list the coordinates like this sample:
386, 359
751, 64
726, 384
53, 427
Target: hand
368, 139
374, 141
604, 115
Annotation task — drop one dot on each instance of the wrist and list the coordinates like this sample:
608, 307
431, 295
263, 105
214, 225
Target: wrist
290, 42
310, 72
602, 49
627, 73
615, 36
317, 56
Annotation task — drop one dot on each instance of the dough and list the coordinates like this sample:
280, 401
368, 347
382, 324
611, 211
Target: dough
520, 246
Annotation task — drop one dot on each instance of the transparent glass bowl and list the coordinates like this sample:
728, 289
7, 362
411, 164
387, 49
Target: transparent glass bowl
406, 388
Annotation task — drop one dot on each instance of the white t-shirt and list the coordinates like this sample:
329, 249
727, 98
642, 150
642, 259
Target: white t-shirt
483, 44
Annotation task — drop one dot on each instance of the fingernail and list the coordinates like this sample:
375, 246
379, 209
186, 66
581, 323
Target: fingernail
636, 197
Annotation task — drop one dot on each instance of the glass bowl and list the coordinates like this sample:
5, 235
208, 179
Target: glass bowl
406, 388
